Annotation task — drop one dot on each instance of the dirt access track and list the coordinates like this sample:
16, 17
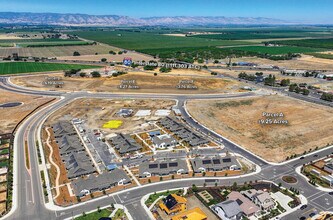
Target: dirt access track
148, 83
11, 116
309, 125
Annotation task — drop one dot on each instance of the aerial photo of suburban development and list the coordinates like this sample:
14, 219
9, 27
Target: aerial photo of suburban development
166, 110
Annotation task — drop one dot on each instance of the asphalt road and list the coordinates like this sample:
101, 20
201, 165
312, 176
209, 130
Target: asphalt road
30, 198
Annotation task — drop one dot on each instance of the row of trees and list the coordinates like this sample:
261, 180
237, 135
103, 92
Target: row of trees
297, 89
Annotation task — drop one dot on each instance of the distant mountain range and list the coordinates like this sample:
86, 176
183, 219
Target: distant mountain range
117, 20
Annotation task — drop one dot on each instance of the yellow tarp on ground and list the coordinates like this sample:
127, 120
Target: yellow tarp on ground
113, 124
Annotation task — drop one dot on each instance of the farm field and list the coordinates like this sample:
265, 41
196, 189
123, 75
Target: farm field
276, 50
322, 55
9, 119
31, 67
56, 51
148, 83
261, 34
150, 40
237, 120
314, 43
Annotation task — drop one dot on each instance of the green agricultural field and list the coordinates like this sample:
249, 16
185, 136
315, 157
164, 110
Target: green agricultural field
55, 44
276, 50
314, 43
30, 67
35, 40
260, 34
150, 40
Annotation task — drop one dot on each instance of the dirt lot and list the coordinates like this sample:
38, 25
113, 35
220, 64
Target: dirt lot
147, 82
96, 112
309, 125
11, 116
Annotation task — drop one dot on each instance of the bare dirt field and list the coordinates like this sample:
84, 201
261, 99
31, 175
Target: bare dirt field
306, 62
11, 116
116, 58
148, 83
96, 112
309, 125
55, 51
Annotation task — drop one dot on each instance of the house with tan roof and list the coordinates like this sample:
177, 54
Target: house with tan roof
246, 205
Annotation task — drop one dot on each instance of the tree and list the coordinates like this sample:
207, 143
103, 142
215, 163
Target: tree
234, 186
95, 74
327, 97
194, 188
98, 209
120, 52
259, 73
103, 59
83, 74
165, 70
76, 53
285, 82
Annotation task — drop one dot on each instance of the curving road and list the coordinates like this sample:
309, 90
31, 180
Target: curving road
28, 193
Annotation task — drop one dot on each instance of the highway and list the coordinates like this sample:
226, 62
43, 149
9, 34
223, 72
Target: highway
28, 188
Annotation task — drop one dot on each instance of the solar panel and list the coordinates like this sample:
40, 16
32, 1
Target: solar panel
174, 164
226, 160
239, 202
163, 165
216, 161
152, 166
206, 161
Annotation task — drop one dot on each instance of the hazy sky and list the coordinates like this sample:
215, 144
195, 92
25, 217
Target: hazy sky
307, 11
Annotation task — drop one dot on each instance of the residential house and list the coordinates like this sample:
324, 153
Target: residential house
173, 204
164, 141
162, 167
246, 205
125, 144
101, 182
228, 210
216, 163
192, 214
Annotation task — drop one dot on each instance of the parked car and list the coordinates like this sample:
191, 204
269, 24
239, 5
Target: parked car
316, 155
303, 207
301, 158
331, 193
302, 218
312, 214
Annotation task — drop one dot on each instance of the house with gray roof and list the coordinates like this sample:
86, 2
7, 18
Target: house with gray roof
63, 128
329, 167
101, 182
164, 141
228, 209
217, 163
261, 198
162, 167
125, 143
68, 144
186, 134
78, 164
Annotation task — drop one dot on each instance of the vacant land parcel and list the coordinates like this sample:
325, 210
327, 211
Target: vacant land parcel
30, 67
309, 125
12, 115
